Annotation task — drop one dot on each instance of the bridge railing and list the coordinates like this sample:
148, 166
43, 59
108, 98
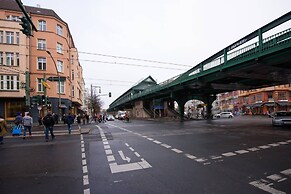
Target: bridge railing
268, 43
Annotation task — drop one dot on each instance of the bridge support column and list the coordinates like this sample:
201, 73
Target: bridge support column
209, 100
181, 102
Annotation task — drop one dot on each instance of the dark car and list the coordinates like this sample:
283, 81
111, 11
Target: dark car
281, 118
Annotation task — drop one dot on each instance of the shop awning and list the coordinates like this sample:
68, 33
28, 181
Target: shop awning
269, 103
256, 105
284, 103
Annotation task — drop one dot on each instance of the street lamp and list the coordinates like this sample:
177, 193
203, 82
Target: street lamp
60, 100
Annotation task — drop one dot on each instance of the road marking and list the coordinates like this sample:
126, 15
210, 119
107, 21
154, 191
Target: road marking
215, 157
157, 142
84, 167
273, 144
123, 157
287, 172
200, 160
108, 152
137, 154
87, 191
263, 186
84, 162
190, 156
110, 158
264, 147
151, 139
177, 151
106, 147
242, 151
274, 177
85, 180
228, 154
282, 143
131, 149
166, 146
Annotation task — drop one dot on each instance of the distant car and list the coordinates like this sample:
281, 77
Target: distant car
110, 118
223, 115
281, 118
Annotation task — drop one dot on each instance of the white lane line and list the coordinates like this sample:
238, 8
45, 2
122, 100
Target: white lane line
263, 186
215, 157
84, 162
200, 159
110, 158
83, 155
85, 180
253, 149
228, 154
105, 142
264, 147
176, 150
106, 147
127, 144
289, 141
274, 177
108, 152
273, 144
287, 172
145, 136
190, 156
137, 154
87, 191
282, 143
131, 149
166, 146
151, 139
157, 142
242, 151
83, 149
85, 169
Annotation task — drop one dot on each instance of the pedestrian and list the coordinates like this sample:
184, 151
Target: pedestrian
27, 122
3, 129
79, 119
48, 121
70, 121
18, 119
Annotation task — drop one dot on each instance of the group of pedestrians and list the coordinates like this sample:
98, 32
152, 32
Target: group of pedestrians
25, 123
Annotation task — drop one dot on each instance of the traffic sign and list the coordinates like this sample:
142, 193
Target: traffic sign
56, 79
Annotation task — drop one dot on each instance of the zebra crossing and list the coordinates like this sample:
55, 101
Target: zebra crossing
58, 132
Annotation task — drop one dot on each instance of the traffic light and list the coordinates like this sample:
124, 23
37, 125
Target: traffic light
26, 28
109, 94
36, 100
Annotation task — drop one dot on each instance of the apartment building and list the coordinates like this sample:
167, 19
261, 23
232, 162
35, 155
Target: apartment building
259, 101
29, 61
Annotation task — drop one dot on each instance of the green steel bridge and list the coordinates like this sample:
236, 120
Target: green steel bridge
265, 62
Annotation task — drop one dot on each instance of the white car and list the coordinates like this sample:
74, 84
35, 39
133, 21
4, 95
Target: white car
223, 115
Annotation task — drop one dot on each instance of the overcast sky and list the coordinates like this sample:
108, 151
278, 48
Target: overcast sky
184, 32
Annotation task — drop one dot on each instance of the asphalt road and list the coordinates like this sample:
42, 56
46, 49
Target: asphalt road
240, 155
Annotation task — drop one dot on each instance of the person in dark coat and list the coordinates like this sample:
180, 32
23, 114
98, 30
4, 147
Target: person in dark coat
49, 121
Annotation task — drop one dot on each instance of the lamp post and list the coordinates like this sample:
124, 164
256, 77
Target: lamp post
60, 100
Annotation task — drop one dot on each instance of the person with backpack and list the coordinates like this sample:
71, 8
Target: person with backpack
27, 122
70, 121
48, 122
3, 129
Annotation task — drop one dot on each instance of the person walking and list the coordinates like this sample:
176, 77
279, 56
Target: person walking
27, 122
70, 121
49, 121
3, 129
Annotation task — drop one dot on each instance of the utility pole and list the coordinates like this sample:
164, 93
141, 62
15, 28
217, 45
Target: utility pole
27, 89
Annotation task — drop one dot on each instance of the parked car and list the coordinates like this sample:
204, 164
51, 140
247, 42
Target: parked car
223, 115
110, 118
281, 118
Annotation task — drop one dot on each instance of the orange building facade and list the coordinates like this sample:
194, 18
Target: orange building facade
27, 63
260, 101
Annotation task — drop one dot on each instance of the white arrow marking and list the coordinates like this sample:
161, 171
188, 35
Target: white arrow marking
123, 156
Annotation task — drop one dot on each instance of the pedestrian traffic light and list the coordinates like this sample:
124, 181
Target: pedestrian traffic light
109, 94
36, 100
26, 28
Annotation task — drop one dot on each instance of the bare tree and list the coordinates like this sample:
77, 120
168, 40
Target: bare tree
95, 104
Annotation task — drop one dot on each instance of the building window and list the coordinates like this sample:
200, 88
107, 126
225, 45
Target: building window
41, 25
62, 87
1, 37
282, 96
59, 30
60, 66
59, 48
9, 59
41, 44
41, 63
17, 38
13, 18
73, 75
73, 91
39, 84
72, 60
17, 59
9, 82
10, 37
1, 58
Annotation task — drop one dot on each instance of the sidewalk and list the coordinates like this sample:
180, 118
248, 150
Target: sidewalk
76, 129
